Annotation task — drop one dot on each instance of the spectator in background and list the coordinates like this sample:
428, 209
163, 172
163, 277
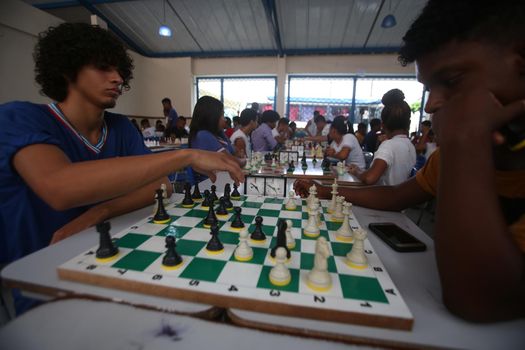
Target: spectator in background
229, 129
344, 145
170, 114
236, 122
240, 138
426, 136
322, 127
159, 128
147, 129
310, 128
281, 132
395, 157
262, 138
360, 134
371, 142
180, 131
135, 124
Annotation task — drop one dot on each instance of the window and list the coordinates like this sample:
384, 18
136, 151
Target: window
238, 93
357, 98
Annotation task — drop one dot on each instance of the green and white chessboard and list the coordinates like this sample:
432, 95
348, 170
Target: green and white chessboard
361, 296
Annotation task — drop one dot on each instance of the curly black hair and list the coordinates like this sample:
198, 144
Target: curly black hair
396, 113
442, 21
63, 50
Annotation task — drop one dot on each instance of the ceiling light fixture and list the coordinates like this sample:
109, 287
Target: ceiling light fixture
390, 20
164, 30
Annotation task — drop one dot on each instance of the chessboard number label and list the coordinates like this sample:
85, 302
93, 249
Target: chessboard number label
318, 299
91, 267
275, 293
194, 283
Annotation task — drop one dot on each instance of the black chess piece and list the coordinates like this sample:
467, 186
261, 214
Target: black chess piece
325, 165
235, 194
161, 216
214, 244
207, 198
106, 249
281, 239
187, 202
172, 258
237, 220
214, 197
303, 159
221, 210
196, 196
227, 200
211, 218
258, 234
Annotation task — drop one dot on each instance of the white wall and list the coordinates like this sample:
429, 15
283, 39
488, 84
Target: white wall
156, 78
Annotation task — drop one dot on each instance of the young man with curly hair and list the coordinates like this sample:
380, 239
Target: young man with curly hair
70, 164
470, 55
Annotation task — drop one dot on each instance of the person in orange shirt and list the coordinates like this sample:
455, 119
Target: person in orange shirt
474, 70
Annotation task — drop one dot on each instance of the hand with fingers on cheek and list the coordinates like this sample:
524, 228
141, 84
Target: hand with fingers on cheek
473, 117
208, 163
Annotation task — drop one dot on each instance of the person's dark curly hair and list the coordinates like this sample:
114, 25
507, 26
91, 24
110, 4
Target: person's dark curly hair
63, 50
442, 21
396, 113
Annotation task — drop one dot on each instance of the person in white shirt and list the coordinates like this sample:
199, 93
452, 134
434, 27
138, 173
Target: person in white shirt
395, 157
147, 129
240, 138
322, 127
344, 146
281, 132
310, 128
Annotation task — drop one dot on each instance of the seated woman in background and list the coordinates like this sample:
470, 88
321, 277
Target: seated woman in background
395, 157
344, 146
207, 126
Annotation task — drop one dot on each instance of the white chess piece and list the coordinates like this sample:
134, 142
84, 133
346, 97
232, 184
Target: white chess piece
331, 206
290, 241
243, 252
312, 193
279, 274
338, 216
319, 211
312, 228
290, 204
345, 231
356, 258
165, 199
319, 279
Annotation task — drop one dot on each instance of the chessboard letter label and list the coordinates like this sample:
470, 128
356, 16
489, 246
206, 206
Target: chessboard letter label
390, 291
233, 289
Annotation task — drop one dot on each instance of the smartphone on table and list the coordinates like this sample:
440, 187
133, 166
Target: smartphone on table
397, 238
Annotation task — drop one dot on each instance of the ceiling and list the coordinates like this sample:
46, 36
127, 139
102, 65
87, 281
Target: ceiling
212, 28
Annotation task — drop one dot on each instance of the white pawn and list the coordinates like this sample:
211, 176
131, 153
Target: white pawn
345, 232
290, 204
279, 274
290, 241
356, 258
338, 216
319, 211
165, 199
312, 228
319, 279
243, 252
331, 206
312, 193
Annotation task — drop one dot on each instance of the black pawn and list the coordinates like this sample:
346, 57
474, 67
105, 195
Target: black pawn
325, 165
187, 201
258, 234
211, 218
221, 210
214, 244
196, 192
303, 160
227, 200
106, 248
235, 194
172, 258
281, 239
161, 216
237, 220
207, 198
214, 197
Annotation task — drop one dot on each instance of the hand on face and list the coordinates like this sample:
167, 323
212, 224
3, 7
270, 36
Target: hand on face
474, 115
330, 151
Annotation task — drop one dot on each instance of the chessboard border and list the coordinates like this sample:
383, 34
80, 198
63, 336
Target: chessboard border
351, 317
